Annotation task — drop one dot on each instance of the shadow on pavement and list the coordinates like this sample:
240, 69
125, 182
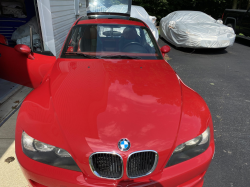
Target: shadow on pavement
243, 41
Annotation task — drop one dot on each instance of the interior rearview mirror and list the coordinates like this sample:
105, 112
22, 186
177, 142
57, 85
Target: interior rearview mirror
25, 50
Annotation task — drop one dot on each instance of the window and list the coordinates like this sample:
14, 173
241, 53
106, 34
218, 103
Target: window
111, 41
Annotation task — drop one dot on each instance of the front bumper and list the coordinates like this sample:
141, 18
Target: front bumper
199, 41
210, 42
187, 174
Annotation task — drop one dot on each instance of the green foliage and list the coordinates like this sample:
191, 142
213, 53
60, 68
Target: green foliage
215, 8
158, 8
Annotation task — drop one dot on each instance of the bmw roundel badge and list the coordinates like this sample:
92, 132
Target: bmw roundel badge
124, 144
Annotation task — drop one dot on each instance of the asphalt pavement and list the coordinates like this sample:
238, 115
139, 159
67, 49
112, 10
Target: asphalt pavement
222, 78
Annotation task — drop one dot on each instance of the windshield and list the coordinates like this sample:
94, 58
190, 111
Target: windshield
203, 18
106, 6
193, 17
111, 42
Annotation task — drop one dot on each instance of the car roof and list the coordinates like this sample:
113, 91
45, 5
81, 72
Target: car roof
110, 20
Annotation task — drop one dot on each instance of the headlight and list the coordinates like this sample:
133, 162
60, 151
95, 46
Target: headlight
47, 154
229, 30
190, 149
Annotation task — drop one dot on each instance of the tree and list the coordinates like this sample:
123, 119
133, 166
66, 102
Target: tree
215, 8
158, 8
248, 6
235, 2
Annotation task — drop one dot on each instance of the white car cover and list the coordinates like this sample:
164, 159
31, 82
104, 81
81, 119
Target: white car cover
139, 13
26, 41
22, 34
194, 29
24, 30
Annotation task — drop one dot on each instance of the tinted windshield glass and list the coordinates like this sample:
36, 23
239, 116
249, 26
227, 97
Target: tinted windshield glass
105, 6
111, 41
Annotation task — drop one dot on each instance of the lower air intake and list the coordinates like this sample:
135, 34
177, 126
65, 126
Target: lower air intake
106, 165
141, 163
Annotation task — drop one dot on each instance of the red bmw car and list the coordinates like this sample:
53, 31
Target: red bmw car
110, 111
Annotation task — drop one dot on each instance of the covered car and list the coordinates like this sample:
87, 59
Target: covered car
140, 13
194, 29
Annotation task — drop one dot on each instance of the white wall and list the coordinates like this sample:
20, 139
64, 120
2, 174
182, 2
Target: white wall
83, 10
57, 17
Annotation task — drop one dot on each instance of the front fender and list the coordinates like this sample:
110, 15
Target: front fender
195, 116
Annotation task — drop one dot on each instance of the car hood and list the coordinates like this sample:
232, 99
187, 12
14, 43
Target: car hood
204, 29
98, 102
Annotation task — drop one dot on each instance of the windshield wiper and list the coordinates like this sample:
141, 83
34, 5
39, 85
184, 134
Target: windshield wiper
82, 54
120, 57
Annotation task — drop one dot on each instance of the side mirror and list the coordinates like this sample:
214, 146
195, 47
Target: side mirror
3, 40
165, 49
219, 21
25, 50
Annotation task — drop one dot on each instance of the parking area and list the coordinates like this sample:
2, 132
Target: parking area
10, 172
222, 78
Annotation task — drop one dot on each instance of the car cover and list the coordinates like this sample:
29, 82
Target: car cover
139, 13
24, 30
26, 41
195, 29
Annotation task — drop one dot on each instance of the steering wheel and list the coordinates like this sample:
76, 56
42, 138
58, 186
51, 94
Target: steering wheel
134, 47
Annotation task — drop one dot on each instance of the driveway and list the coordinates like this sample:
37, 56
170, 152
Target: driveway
222, 78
